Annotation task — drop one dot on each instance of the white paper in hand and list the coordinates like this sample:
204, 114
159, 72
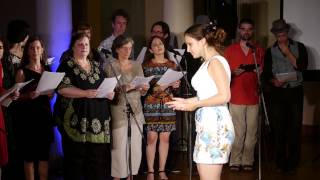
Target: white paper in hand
141, 55
181, 51
170, 76
286, 77
49, 81
107, 86
50, 60
139, 80
175, 58
17, 86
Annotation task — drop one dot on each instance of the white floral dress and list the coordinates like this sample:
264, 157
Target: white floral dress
215, 133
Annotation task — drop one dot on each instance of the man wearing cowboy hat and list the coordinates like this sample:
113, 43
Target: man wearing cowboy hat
282, 75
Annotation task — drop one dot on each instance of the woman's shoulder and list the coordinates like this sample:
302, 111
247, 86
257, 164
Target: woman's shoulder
220, 59
136, 64
219, 62
65, 65
115, 64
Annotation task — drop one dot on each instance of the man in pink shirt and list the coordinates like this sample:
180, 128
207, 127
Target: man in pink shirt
244, 103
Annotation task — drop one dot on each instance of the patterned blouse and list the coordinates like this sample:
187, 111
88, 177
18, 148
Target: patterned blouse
10, 64
83, 119
155, 111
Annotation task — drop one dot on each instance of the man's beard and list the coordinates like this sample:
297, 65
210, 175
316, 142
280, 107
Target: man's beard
246, 38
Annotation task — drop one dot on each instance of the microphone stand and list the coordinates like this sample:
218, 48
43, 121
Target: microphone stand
129, 113
262, 101
189, 114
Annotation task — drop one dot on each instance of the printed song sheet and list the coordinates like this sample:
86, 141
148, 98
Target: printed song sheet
49, 81
286, 77
139, 80
141, 55
17, 86
170, 76
107, 86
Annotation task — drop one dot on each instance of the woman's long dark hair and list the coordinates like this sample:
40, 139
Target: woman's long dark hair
5, 49
25, 58
148, 56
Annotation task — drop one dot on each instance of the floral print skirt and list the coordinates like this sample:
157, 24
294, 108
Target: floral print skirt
215, 135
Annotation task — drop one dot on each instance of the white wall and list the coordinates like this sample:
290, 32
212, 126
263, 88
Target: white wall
304, 17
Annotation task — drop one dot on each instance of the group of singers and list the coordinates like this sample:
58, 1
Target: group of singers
94, 130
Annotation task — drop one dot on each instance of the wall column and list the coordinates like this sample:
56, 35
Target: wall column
179, 15
54, 25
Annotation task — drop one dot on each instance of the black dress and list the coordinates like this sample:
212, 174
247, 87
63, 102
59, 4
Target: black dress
84, 124
83, 119
35, 119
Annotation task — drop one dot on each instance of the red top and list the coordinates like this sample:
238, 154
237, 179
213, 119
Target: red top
3, 133
244, 87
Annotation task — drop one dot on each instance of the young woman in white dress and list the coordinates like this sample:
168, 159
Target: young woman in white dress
215, 133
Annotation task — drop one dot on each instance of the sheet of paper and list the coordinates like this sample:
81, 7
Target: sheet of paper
170, 76
107, 86
49, 81
175, 58
141, 55
286, 77
181, 51
6, 102
139, 80
50, 60
17, 86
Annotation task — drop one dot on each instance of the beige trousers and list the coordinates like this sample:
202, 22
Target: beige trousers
245, 121
119, 151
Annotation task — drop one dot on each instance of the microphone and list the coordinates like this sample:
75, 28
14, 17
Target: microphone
249, 45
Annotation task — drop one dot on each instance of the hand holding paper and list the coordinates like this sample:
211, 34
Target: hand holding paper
140, 81
106, 87
169, 77
14, 88
286, 77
